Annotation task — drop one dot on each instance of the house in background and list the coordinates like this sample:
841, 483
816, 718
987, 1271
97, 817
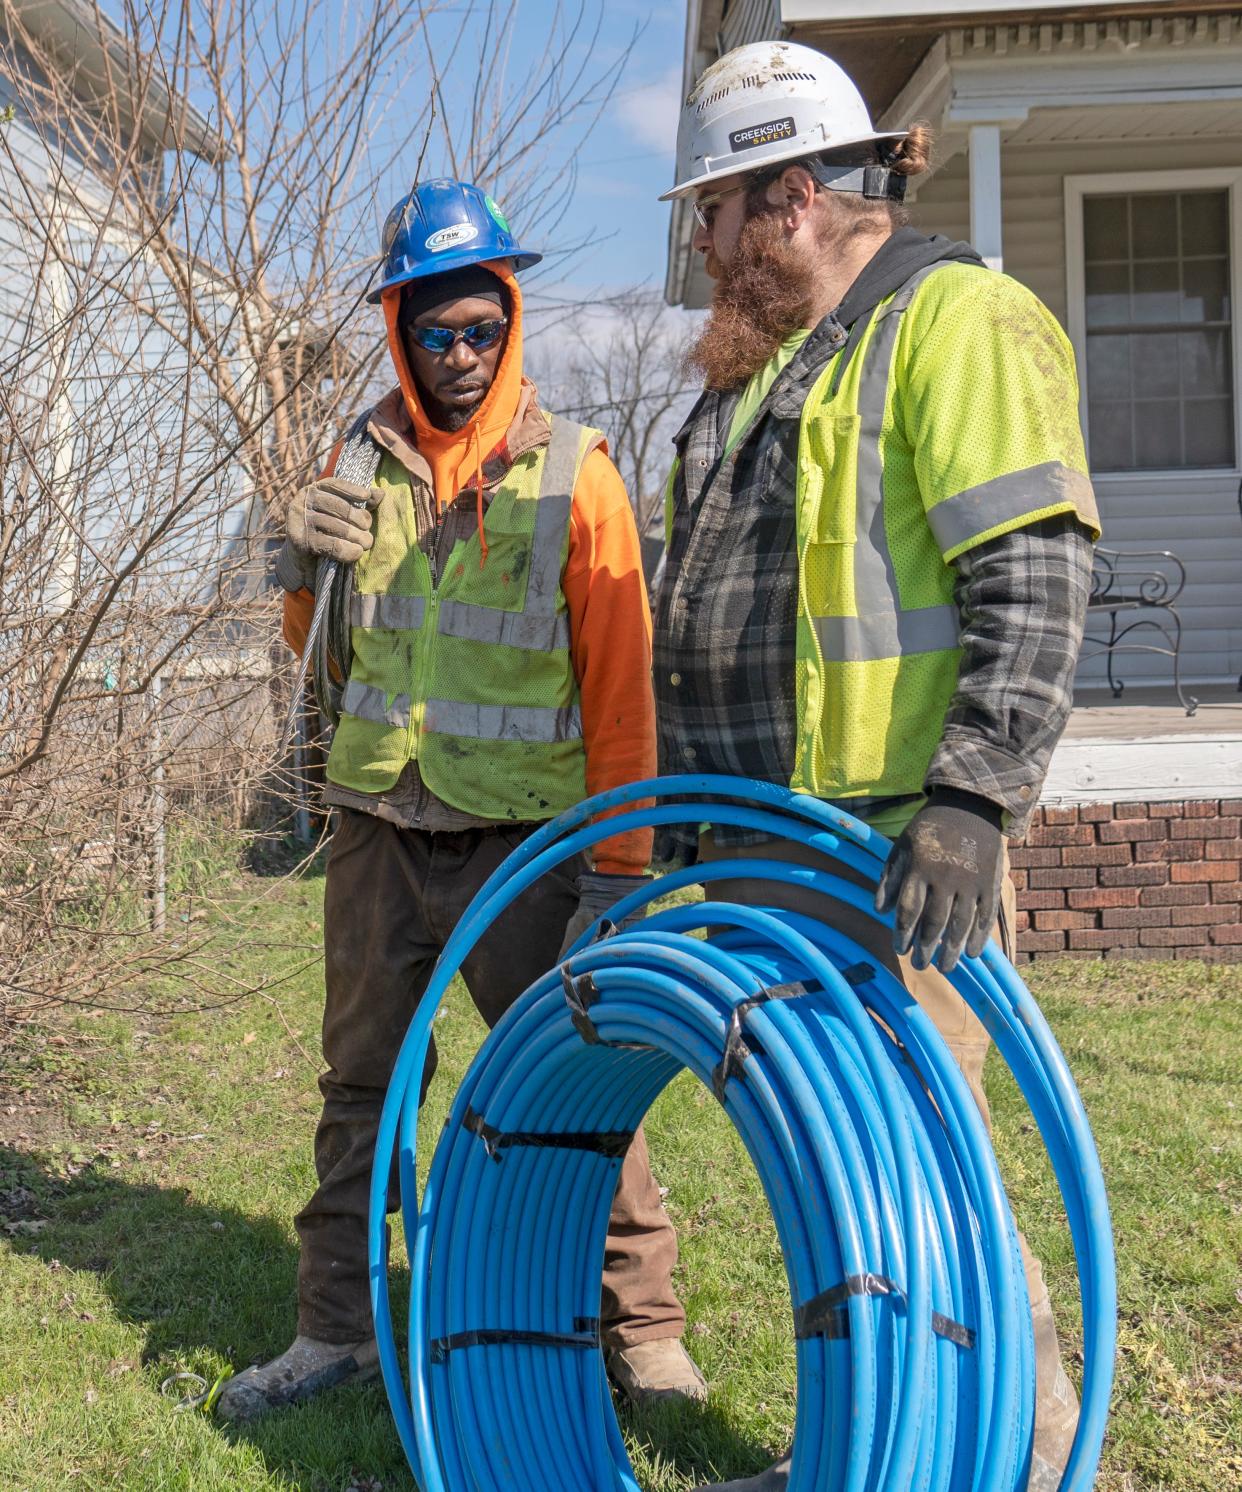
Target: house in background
1094, 152
105, 403
81, 360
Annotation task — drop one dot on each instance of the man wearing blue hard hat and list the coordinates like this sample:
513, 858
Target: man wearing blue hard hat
500, 672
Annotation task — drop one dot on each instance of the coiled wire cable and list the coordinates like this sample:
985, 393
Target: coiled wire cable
914, 1348
329, 644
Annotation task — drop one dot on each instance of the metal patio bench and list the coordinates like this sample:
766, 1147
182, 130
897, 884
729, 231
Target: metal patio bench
1136, 589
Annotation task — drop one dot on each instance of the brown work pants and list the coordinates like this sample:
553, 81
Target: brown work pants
1056, 1405
393, 898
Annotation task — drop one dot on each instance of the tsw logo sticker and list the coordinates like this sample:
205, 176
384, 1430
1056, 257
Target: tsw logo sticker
449, 238
767, 133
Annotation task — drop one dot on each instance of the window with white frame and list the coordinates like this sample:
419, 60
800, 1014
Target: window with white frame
1157, 329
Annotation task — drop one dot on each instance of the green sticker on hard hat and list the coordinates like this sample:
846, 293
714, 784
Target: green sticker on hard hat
496, 213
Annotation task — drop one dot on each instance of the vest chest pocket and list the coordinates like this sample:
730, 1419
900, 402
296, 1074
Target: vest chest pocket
828, 478
500, 580
394, 561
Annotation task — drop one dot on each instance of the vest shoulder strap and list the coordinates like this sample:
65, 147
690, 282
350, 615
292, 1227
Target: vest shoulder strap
906, 292
878, 360
568, 448
900, 302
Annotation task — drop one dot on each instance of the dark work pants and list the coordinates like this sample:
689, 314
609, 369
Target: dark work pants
393, 897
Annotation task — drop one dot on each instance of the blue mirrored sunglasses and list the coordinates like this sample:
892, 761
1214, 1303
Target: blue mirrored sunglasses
479, 337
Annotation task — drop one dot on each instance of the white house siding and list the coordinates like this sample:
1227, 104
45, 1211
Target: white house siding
1196, 515
750, 20
130, 425
26, 148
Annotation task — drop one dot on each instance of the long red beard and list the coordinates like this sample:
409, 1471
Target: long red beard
762, 294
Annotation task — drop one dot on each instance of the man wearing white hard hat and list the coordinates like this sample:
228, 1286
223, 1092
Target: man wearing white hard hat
880, 530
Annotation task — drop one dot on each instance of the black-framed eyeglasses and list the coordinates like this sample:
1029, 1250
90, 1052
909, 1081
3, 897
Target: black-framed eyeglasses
479, 337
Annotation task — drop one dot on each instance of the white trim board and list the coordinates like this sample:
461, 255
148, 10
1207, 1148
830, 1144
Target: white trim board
1003, 88
1103, 183
1153, 769
881, 10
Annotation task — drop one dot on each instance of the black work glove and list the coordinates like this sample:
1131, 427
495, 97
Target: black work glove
597, 895
944, 878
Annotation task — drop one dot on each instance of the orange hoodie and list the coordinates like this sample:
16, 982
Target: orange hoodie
610, 623
456, 456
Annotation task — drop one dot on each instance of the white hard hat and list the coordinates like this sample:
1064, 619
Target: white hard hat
761, 104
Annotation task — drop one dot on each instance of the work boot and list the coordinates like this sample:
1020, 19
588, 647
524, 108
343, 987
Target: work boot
656, 1372
1056, 1403
774, 1479
1056, 1421
308, 1368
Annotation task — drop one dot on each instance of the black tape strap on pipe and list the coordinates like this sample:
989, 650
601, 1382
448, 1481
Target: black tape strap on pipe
736, 1050
581, 992
953, 1331
584, 1335
611, 1143
827, 1314
856, 976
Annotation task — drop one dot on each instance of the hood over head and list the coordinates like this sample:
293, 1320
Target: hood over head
456, 457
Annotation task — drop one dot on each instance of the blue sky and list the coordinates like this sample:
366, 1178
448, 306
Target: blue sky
629, 160
623, 162
626, 160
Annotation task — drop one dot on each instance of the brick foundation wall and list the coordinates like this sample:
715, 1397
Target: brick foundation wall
1132, 880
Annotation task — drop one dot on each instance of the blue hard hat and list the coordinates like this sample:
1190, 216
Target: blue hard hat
444, 225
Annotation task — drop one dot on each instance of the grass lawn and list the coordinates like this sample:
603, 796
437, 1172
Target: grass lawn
150, 1167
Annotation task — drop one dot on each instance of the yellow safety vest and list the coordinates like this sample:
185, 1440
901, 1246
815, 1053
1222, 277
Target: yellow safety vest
954, 421
471, 674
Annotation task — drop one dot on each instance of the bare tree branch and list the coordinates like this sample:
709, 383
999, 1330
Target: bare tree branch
188, 219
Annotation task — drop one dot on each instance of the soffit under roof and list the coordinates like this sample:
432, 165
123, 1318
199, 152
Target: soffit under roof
882, 55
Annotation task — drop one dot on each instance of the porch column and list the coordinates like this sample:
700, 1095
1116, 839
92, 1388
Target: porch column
985, 193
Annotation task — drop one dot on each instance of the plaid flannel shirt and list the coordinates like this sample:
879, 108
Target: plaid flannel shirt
725, 620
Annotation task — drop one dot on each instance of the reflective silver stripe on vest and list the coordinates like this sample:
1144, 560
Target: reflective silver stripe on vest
369, 703
960, 519
512, 629
503, 722
856, 639
539, 626
395, 613
886, 631
556, 495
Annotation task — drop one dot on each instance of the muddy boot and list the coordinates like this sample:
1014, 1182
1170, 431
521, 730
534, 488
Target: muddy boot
1056, 1403
306, 1369
1056, 1420
774, 1479
656, 1372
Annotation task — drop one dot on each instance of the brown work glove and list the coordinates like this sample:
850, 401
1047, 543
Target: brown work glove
329, 519
944, 878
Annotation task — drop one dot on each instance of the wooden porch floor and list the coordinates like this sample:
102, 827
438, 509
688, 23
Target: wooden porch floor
1143, 747
1144, 712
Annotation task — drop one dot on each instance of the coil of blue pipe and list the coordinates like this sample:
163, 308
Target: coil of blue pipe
915, 1363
